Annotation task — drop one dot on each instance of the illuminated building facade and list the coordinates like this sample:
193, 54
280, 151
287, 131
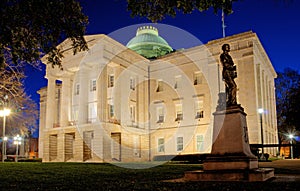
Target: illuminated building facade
145, 100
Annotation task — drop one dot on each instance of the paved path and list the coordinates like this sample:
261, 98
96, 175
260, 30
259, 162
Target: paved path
291, 167
293, 164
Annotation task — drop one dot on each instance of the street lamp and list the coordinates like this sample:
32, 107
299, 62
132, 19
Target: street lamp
261, 111
3, 113
17, 142
291, 136
4, 142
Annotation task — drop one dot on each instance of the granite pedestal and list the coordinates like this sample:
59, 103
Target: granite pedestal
231, 158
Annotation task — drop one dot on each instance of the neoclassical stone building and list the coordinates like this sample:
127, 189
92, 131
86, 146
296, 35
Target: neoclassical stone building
143, 100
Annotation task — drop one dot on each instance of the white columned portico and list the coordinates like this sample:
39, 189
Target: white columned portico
83, 95
65, 102
102, 95
50, 103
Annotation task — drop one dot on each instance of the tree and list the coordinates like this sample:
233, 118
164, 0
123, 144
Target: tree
22, 118
288, 102
13, 96
28, 30
31, 28
24, 113
156, 10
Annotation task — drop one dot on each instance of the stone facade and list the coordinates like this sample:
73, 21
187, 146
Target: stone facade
111, 104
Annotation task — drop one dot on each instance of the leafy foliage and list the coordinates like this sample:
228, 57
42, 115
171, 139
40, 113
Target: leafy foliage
156, 10
288, 102
30, 28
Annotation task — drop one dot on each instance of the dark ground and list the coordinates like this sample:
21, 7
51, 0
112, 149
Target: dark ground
285, 170
83, 176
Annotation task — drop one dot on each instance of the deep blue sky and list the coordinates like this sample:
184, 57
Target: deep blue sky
276, 23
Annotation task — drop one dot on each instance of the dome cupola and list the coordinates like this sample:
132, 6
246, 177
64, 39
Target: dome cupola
148, 43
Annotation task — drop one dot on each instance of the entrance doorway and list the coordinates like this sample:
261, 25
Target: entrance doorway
116, 146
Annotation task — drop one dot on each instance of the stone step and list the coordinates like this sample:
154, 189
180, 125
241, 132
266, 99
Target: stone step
252, 175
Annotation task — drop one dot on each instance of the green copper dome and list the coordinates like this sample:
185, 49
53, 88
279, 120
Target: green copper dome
148, 43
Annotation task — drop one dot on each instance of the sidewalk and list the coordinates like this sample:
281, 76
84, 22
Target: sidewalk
287, 170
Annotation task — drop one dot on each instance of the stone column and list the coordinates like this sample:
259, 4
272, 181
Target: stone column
117, 92
83, 95
46, 150
42, 124
102, 95
65, 102
60, 146
50, 103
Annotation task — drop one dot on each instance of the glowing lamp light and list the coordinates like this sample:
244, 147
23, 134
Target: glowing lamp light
4, 112
291, 136
17, 140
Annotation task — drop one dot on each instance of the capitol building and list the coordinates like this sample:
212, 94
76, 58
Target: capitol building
145, 100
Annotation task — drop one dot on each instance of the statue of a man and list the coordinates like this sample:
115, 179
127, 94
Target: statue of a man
229, 73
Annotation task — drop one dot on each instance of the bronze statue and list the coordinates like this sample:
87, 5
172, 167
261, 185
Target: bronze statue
229, 73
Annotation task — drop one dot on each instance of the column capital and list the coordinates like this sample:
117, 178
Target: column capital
65, 102
50, 77
58, 73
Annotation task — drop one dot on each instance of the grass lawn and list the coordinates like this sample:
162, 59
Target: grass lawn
83, 176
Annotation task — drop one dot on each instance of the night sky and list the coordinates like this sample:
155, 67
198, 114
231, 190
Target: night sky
276, 23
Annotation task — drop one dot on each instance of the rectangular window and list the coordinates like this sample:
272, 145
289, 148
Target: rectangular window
179, 114
160, 115
92, 115
93, 85
159, 86
132, 113
199, 108
111, 79
199, 114
177, 82
75, 113
199, 142
132, 83
197, 78
77, 88
111, 111
161, 145
179, 143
